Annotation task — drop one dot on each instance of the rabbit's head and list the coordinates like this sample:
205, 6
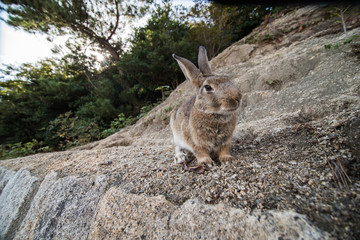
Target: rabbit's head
214, 93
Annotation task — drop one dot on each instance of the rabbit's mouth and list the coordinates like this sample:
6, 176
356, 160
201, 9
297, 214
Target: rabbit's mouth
230, 107
230, 104
221, 111
229, 110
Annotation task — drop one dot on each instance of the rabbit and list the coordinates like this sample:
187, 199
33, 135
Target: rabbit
204, 124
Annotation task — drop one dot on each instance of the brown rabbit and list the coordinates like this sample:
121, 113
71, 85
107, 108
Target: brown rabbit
204, 124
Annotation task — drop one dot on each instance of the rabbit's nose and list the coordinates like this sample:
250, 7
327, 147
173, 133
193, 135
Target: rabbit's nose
234, 102
237, 98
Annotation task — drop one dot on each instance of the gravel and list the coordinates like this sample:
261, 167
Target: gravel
310, 168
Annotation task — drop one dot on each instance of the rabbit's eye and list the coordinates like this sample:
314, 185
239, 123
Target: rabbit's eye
208, 88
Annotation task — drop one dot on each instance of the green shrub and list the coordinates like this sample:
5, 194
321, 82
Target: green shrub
118, 123
22, 149
68, 131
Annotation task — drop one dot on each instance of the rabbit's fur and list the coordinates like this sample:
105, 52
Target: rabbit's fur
204, 124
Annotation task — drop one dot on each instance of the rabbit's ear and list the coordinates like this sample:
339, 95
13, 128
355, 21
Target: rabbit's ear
203, 61
190, 71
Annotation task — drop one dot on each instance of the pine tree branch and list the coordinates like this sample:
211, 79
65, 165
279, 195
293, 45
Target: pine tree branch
117, 21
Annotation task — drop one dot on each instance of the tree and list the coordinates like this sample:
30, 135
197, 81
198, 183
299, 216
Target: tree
148, 64
94, 21
37, 95
216, 26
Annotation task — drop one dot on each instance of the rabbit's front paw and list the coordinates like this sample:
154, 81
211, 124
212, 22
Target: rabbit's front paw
180, 156
206, 161
226, 158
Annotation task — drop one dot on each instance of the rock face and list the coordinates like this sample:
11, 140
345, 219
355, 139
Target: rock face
62, 208
5, 176
296, 144
14, 199
159, 219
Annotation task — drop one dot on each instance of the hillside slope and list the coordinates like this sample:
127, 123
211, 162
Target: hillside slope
296, 145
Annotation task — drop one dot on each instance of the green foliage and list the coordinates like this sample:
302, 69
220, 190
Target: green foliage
146, 109
22, 149
216, 26
165, 91
149, 64
353, 37
328, 46
122, 121
118, 123
68, 131
35, 96
338, 45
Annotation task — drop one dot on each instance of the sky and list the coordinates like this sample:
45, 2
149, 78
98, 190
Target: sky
18, 46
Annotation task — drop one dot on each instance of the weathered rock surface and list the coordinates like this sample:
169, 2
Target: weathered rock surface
5, 176
159, 219
14, 200
296, 144
62, 208
127, 216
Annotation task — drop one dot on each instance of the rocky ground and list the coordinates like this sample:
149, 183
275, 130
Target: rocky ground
296, 144
310, 168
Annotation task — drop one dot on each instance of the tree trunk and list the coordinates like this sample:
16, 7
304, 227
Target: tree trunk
104, 43
110, 49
